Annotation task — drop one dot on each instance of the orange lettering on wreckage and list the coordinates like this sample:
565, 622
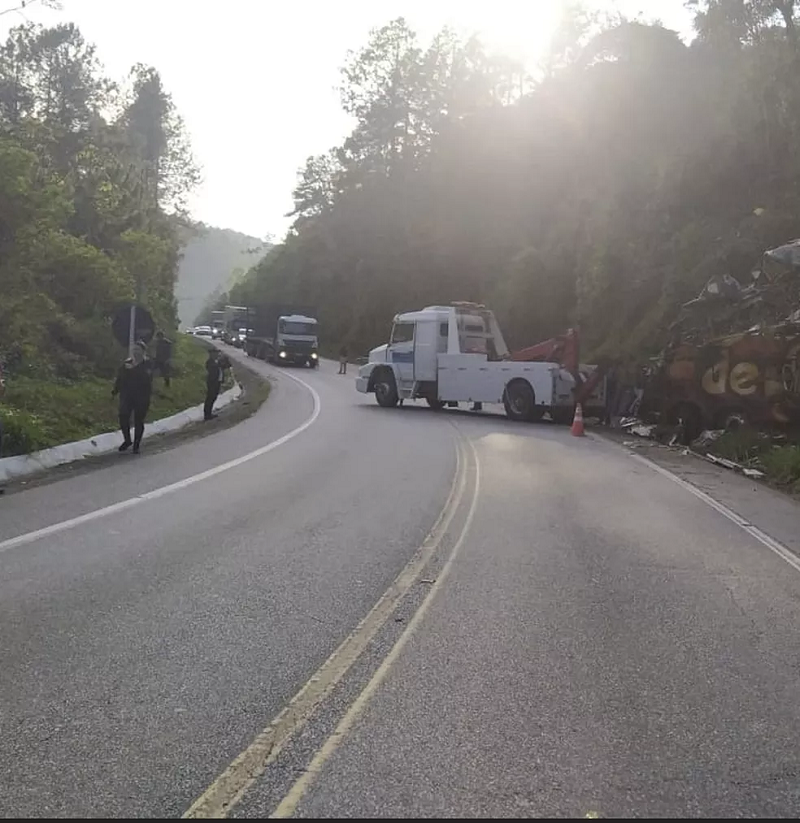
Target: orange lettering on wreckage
715, 379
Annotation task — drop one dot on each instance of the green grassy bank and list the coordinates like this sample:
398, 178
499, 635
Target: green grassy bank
38, 413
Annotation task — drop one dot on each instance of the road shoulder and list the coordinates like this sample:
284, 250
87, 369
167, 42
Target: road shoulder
255, 391
773, 512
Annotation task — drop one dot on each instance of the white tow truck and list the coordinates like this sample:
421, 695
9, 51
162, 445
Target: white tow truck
447, 355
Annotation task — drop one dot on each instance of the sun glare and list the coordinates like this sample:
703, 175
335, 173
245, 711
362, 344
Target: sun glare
521, 30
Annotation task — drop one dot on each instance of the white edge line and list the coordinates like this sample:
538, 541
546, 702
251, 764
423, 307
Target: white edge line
773, 545
363, 634
64, 525
20, 466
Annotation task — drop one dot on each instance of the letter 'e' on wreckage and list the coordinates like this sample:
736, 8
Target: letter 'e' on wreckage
734, 354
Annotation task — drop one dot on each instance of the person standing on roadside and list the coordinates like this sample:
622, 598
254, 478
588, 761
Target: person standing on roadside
216, 364
134, 385
343, 360
163, 358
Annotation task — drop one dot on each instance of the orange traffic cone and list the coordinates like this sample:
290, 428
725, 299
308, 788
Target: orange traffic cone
577, 423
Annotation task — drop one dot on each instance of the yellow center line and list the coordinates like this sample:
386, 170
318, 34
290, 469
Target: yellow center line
288, 805
230, 786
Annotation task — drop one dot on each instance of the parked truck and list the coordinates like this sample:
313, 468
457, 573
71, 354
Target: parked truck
235, 331
217, 324
283, 334
446, 355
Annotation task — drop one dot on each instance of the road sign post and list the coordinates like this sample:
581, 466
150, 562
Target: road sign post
132, 323
131, 329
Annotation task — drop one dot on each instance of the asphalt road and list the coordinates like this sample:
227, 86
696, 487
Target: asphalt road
586, 637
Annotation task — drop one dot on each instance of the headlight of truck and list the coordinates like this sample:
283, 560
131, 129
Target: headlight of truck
282, 354
313, 355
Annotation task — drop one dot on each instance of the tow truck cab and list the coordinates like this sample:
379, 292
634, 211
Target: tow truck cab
451, 354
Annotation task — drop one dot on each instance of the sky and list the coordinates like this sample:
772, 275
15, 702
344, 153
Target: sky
255, 81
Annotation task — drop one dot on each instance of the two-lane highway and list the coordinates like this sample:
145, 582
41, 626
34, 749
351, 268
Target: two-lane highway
578, 635
141, 651
604, 643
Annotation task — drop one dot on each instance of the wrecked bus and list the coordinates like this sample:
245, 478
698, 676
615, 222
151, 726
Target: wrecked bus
747, 378
734, 360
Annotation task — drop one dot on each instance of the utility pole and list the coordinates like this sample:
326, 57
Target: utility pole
139, 297
137, 302
131, 330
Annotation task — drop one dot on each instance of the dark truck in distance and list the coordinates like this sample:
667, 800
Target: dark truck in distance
217, 324
235, 331
283, 334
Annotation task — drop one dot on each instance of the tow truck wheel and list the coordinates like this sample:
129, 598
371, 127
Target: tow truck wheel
386, 389
435, 403
519, 401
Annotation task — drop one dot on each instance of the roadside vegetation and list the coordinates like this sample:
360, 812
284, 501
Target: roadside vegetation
39, 412
777, 456
94, 177
602, 189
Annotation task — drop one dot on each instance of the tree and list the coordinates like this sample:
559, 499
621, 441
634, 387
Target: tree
157, 136
744, 21
79, 228
317, 185
67, 85
16, 82
379, 90
605, 195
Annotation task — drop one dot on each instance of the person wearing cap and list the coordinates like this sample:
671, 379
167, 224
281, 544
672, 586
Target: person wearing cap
134, 386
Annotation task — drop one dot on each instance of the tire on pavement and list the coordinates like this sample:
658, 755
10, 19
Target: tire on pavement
519, 401
386, 389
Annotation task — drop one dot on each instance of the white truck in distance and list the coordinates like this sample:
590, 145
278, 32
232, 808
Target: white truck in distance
452, 354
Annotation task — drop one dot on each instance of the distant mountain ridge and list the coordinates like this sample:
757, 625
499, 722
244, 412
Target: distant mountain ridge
210, 258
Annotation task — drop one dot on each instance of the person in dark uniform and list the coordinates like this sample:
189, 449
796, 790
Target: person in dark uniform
134, 385
216, 364
163, 357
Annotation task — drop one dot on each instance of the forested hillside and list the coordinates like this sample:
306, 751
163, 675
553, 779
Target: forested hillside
210, 258
93, 180
603, 192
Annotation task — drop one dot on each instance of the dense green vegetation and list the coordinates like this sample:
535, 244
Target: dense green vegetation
40, 413
93, 181
602, 192
778, 459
